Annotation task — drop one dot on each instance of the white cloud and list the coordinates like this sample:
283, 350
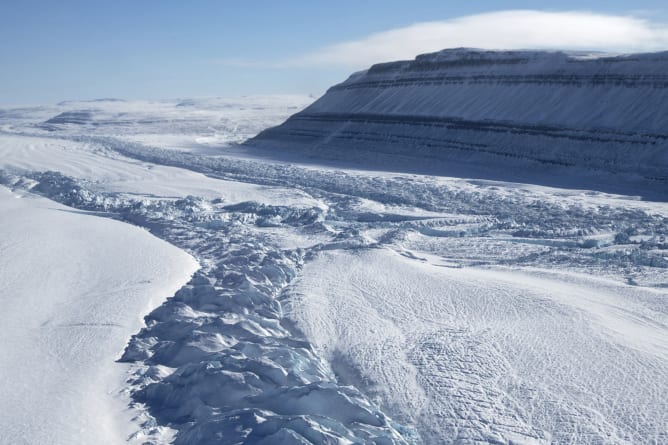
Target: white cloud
495, 30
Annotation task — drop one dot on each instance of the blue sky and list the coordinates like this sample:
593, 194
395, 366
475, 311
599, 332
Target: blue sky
57, 50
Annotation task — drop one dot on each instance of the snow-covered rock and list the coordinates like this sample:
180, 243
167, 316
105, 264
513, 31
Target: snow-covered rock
542, 110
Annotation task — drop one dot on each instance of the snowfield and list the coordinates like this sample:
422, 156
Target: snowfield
330, 305
74, 288
491, 354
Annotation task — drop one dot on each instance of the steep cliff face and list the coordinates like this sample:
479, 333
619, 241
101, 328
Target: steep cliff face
551, 109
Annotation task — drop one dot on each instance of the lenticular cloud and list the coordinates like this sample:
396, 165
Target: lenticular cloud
497, 30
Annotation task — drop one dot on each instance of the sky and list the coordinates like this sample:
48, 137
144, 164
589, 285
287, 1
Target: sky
53, 50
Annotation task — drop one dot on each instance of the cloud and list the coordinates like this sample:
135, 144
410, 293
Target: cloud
517, 29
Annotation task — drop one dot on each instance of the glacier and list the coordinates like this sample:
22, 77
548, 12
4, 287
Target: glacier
361, 299
75, 286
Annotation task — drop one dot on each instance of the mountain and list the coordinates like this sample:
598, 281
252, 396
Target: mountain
542, 112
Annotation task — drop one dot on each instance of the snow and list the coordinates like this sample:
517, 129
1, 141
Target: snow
486, 353
541, 115
75, 287
335, 305
113, 172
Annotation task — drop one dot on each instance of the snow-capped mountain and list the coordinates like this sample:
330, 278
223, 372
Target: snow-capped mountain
538, 110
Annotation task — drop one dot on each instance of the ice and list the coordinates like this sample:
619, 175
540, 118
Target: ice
477, 353
350, 305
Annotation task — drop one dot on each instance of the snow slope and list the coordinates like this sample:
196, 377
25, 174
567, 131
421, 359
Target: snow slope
540, 111
75, 287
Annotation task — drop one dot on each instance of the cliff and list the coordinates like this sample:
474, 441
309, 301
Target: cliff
550, 110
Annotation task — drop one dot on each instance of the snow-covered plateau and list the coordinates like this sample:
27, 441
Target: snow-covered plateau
599, 120
331, 299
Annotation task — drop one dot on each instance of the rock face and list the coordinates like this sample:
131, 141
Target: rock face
525, 108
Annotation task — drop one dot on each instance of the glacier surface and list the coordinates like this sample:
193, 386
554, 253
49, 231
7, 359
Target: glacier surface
338, 305
74, 287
